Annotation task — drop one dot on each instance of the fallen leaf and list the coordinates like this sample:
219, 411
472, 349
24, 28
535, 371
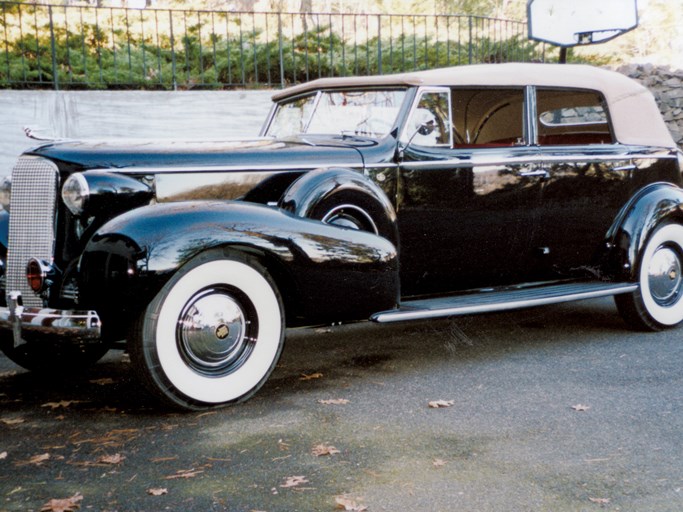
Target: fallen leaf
438, 463
157, 491
293, 481
282, 446
437, 404
581, 407
13, 421
601, 501
316, 375
63, 505
36, 459
185, 473
3, 455
334, 401
106, 381
163, 459
324, 449
61, 403
117, 458
348, 504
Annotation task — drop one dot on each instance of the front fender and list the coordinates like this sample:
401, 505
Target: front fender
327, 272
649, 208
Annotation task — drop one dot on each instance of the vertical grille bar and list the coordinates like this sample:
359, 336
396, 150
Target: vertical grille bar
31, 224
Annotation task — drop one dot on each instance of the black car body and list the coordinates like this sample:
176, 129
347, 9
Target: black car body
399, 197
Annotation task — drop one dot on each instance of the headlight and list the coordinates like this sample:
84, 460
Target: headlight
5, 191
75, 193
100, 192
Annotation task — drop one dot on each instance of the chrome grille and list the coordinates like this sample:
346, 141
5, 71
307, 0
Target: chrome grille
31, 223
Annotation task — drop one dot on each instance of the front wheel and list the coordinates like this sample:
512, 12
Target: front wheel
658, 303
212, 335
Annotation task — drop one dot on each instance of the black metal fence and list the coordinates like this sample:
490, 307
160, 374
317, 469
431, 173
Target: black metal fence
69, 47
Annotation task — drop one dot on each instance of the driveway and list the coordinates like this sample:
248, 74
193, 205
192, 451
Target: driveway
551, 409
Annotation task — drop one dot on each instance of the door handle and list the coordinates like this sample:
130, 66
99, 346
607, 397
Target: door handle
625, 168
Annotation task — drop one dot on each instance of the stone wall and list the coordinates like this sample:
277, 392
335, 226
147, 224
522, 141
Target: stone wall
667, 86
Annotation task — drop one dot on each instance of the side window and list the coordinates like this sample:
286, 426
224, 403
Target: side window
567, 117
429, 123
488, 117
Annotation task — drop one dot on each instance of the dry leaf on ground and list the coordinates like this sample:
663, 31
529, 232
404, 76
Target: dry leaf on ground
157, 491
36, 459
437, 404
102, 382
348, 504
601, 501
61, 403
293, 481
316, 375
334, 401
321, 449
12, 421
63, 505
580, 407
117, 458
3, 455
438, 463
185, 473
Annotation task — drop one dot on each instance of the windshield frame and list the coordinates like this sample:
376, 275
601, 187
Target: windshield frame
317, 95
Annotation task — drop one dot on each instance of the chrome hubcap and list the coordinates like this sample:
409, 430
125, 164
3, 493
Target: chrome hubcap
214, 334
665, 276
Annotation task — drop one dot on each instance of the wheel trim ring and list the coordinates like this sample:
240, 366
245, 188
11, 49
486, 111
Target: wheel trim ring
664, 275
213, 335
672, 314
341, 212
230, 387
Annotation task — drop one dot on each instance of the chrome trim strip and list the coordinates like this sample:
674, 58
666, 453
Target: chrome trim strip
476, 160
226, 168
35, 324
423, 314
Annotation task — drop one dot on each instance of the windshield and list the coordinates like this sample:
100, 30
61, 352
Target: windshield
371, 113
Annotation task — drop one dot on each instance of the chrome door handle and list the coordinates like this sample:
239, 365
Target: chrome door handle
625, 168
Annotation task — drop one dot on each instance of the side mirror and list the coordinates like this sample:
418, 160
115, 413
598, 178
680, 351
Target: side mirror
426, 128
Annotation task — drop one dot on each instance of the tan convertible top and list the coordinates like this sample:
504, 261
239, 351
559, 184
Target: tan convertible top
635, 116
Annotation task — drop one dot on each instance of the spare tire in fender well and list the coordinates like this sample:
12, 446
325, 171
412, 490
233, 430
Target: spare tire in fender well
314, 194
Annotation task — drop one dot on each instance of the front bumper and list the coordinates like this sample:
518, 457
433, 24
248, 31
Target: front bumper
44, 324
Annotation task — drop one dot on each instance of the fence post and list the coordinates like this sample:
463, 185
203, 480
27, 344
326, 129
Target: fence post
173, 65
280, 51
379, 44
53, 49
469, 44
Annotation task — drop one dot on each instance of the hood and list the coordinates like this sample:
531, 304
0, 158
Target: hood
266, 153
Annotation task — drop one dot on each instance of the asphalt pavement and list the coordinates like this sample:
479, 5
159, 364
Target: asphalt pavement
556, 409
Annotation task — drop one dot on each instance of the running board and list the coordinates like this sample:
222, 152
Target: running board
500, 300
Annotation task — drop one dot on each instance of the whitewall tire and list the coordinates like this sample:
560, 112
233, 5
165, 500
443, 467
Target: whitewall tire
212, 335
658, 303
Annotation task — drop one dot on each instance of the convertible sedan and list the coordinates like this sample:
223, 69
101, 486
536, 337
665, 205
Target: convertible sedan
392, 198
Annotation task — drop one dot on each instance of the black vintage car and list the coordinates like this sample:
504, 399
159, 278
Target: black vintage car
421, 195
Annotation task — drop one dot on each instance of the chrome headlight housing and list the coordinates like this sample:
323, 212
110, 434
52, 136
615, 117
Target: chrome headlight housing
75, 193
100, 192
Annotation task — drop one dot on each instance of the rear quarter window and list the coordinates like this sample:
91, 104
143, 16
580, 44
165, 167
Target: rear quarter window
572, 117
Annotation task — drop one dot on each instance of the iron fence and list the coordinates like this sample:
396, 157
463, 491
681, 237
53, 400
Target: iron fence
71, 47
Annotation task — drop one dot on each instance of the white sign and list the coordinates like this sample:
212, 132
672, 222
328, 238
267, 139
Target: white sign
575, 22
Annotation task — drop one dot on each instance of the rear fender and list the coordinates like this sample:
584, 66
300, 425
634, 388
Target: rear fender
649, 208
325, 273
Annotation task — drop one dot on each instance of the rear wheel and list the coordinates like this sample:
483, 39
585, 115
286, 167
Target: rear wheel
212, 335
658, 303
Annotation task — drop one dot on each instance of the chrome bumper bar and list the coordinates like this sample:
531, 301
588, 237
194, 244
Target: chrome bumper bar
35, 324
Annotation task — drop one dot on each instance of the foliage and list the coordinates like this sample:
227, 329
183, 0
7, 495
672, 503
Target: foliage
114, 53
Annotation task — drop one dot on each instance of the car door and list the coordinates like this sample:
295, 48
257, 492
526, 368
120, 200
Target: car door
468, 190
589, 179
